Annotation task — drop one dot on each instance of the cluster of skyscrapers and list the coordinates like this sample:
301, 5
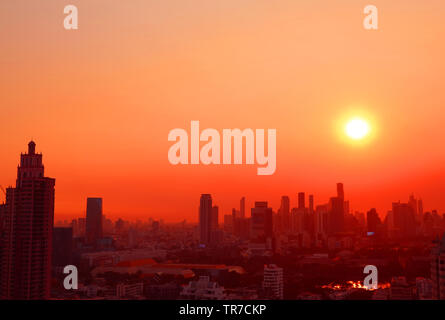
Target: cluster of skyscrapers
263, 222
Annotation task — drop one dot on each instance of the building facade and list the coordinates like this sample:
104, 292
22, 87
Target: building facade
273, 281
438, 270
26, 240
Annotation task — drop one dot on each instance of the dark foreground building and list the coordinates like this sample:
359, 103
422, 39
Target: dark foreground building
26, 240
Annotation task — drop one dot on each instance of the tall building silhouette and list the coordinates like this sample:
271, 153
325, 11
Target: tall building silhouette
261, 220
94, 230
206, 217
284, 215
321, 220
403, 219
26, 241
285, 206
337, 207
243, 207
373, 221
340, 191
301, 204
336, 215
311, 203
214, 220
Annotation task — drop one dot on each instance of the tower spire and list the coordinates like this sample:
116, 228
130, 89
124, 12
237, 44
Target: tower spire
31, 147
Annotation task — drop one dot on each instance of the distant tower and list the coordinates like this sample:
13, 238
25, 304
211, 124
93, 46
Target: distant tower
311, 203
420, 207
301, 204
340, 191
413, 203
27, 239
205, 218
285, 205
261, 220
94, 230
373, 221
214, 222
336, 215
243, 207
404, 219
284, 215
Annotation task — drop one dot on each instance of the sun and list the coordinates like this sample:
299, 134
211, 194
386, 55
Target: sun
357, 129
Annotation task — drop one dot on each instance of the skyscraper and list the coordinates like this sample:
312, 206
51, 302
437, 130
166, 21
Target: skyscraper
336, 215
26, 242
311, 203
94, 220
412, 201
243, 207
205, 218
261, 220
301, 204
321, 219
340, 191
404, 219
214, 220
284, 215
285, 206
373, 221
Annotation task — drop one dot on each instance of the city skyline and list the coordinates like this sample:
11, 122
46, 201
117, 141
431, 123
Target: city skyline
250, 204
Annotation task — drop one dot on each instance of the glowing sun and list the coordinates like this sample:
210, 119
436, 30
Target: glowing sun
357, 129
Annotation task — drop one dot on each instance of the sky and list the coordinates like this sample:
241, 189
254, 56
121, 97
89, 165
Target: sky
100, 101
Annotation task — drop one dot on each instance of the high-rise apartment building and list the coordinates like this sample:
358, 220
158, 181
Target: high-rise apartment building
26, 241
273, 281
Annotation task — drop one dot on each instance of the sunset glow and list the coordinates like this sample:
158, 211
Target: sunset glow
240, 152
357, 129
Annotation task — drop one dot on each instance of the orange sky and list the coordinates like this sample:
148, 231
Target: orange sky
100, 101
